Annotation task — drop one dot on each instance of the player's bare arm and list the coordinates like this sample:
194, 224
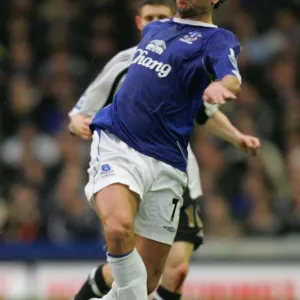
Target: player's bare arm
219, 125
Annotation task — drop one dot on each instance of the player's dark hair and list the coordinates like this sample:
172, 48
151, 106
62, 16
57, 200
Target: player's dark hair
219, 3
169, 3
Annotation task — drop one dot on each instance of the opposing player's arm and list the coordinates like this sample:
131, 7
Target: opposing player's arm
102, 89
218, 124
221, 63
100, 93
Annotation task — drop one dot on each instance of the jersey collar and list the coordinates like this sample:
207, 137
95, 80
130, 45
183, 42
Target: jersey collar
193, 23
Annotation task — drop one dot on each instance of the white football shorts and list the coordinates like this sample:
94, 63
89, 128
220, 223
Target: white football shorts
193, 173
159, 185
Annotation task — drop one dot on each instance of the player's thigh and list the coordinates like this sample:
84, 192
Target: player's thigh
154, 255
118, 224
116, 196
114, 186
180, 253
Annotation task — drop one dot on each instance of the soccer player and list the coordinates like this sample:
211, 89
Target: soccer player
143, 178
189, 235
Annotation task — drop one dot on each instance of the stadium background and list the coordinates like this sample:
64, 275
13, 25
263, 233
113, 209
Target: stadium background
49, 51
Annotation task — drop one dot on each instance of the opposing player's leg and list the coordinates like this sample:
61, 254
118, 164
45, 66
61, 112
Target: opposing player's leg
97, 285
175, 272
188, 238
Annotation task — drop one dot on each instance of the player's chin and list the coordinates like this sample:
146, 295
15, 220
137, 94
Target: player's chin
184, 8
185, 12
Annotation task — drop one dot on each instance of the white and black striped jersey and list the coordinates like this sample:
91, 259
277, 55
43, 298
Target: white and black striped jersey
101, 93
102, 90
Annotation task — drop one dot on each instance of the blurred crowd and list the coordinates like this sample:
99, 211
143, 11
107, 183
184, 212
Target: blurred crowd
51, 49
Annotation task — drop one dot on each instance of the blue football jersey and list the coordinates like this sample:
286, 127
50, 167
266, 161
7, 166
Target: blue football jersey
155, 109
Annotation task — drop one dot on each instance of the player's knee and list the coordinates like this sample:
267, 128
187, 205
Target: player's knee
117, 228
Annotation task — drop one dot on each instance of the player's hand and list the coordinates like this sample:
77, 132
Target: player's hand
216, 93
248, 144
80, 126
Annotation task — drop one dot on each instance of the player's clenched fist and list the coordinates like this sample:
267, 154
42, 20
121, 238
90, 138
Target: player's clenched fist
216, 93
248, 144
80, 126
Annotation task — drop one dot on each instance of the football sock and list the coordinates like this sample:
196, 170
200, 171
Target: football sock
163, 294
94, 286
130, 276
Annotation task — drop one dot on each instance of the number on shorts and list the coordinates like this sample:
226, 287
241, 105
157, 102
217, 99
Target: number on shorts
193, 217
175, 202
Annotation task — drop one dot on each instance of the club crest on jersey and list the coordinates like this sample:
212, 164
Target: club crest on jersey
157, 46
191, 37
